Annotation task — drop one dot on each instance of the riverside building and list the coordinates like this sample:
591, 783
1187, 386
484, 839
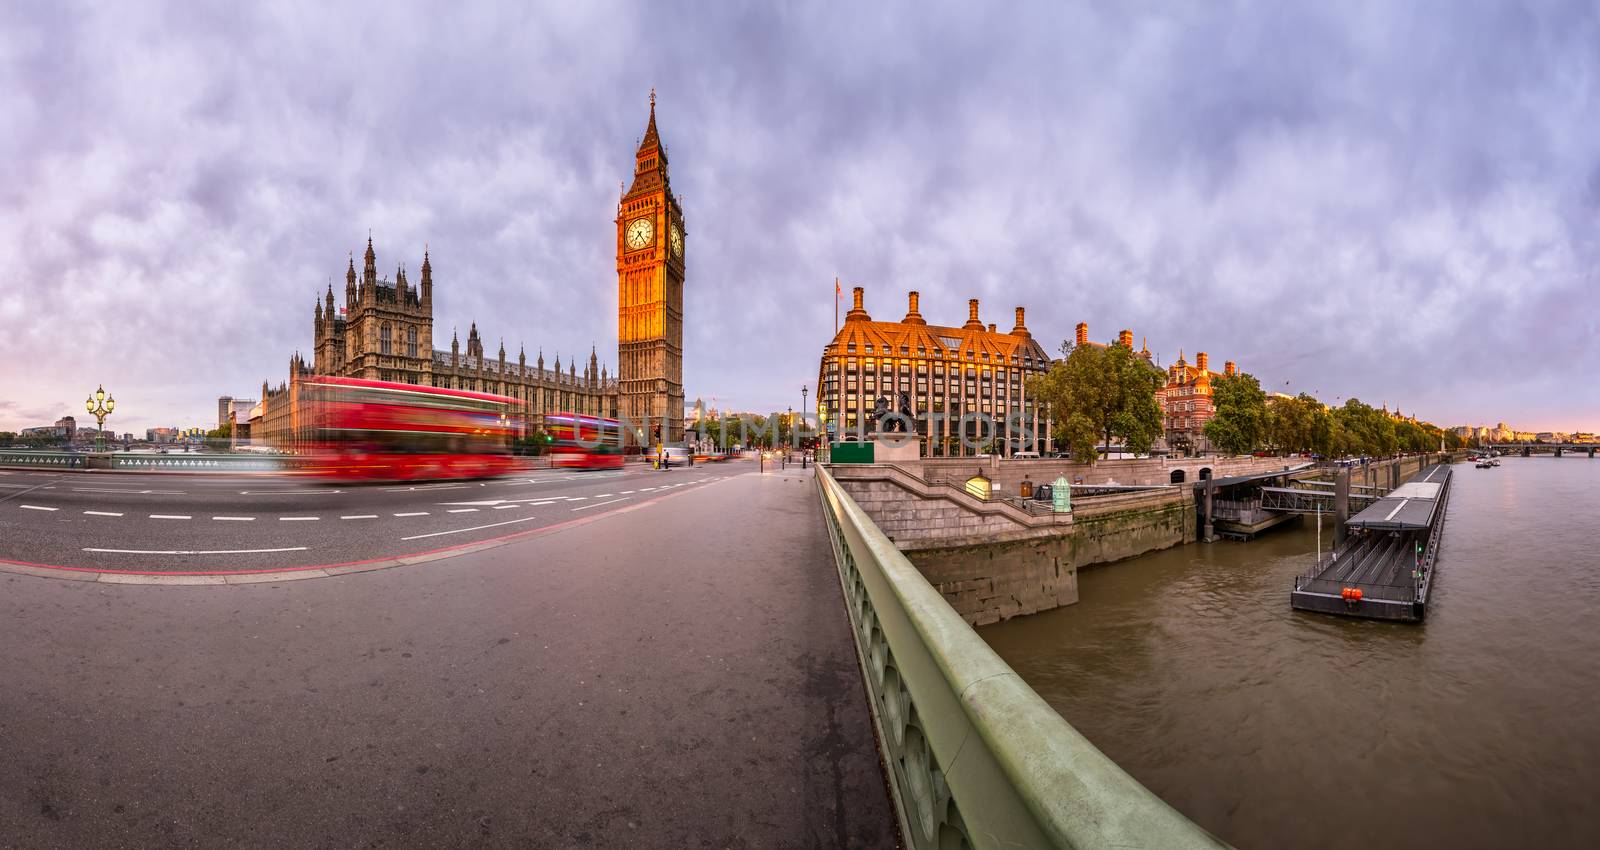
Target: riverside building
969, 379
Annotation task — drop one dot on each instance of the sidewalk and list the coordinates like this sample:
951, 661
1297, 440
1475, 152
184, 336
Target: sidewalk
679, 675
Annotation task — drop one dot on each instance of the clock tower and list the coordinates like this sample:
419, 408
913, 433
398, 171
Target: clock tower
650, 245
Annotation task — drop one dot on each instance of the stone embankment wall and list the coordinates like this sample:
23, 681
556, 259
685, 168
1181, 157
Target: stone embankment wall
1007, 475
993, 561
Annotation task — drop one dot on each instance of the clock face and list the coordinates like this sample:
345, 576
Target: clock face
675, 237
640, 233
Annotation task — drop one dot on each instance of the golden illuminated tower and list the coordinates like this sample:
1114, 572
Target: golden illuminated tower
650, 243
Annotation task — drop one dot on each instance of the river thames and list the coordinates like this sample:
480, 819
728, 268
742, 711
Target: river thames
1275, 728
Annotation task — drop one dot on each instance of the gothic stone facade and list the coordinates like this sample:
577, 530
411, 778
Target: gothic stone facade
650, 270
385, 333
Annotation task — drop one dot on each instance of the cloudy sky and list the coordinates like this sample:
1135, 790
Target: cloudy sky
1394, 201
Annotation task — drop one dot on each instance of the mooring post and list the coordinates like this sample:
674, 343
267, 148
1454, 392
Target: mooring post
1341, 504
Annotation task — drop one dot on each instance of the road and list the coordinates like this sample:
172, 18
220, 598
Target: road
167, 523
673, 670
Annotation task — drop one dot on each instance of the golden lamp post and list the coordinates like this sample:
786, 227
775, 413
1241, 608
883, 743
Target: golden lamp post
100, 406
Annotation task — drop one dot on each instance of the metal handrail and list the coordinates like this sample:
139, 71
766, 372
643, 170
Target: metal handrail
974, 755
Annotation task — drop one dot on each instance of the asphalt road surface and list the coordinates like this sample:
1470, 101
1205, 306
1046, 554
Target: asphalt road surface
171, 523
674, 670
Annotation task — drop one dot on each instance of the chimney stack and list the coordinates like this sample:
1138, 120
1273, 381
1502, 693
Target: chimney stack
991, 327
1021, 329
1083, 334
972, 316
857, 312
912, 316
1229, 368
1125, 339
1201, 360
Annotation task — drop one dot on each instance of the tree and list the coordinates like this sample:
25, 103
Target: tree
1240, 423
1100, 393
6, 437
1366, 430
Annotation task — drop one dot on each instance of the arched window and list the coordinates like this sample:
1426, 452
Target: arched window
411, 341
383, 339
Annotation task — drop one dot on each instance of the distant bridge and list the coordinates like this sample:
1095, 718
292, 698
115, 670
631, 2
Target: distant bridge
1558, 449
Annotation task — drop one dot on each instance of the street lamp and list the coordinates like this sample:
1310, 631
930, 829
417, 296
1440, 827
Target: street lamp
805, 390
100, 406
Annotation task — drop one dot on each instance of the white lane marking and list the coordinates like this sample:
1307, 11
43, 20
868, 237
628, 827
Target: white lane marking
141, 492
169, 516
194, 551
37, 508
234, 518
479, 502
461, 511
413, 513
285, 492
577, 498
504, 507
598, 504
646, 489
544, 502
626, 492
474, 528
360, 516
21, 486
102, 513
432, 487
601, 495
298, 518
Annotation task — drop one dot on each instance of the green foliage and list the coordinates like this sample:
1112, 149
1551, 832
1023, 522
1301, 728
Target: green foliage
6, 437
1099, 393
1240, 425
1366, 430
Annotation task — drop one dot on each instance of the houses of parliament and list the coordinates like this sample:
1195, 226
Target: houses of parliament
385, 331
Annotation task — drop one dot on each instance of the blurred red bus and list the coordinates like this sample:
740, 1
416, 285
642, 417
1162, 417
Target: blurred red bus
378, 430
584, 442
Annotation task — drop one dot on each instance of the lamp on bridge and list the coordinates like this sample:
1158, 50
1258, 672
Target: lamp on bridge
100, 406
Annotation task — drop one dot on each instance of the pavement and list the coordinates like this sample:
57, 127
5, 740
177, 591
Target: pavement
205, 524
676, 672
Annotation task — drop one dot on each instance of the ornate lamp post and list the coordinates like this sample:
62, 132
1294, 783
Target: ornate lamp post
100, 406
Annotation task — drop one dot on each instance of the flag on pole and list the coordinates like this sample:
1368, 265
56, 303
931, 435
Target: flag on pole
836, 293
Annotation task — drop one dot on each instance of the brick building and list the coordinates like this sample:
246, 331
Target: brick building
947, 372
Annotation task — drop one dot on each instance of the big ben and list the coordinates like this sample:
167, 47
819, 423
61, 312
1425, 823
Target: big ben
650, 264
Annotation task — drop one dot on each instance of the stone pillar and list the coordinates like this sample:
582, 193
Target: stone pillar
1211, 489
1341, 504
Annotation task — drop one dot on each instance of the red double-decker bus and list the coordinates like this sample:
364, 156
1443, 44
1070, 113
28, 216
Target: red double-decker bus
378, 430
584, 442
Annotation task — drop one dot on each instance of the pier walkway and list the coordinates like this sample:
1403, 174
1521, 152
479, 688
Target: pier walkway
1384, 566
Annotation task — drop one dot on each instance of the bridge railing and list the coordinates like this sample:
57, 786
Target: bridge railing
975, 757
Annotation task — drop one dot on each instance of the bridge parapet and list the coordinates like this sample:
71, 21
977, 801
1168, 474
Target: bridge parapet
975, 757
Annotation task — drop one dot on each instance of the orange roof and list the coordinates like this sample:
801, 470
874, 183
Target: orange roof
921, 339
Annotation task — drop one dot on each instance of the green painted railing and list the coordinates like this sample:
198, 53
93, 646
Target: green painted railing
977, 759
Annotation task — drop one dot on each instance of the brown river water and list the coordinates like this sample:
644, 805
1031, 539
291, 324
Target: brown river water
1274, 728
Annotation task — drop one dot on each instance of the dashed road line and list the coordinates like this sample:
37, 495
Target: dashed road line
598, 504
462, 511
234, 518
504, 507
298, 518
102, 513
37, 508
170, 516
194, 551
413, 513
474, 528
360, 516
